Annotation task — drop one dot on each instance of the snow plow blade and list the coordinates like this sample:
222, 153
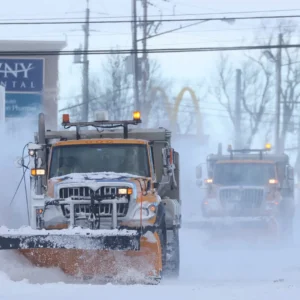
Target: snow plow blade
124, 256
121, 240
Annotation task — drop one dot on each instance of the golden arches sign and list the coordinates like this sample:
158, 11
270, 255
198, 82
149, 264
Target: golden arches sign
156, 89
173, 114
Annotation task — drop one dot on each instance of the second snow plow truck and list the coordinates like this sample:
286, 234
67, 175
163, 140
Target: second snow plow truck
248, 189
104, 203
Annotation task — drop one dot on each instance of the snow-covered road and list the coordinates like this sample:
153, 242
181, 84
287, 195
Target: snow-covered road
227, 272
225, 291
233, 273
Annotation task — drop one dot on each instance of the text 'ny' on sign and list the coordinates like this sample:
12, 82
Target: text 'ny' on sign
22, 75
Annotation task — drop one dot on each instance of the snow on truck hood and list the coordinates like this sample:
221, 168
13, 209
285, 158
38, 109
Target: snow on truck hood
94, 177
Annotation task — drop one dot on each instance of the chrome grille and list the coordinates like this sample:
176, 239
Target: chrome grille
104, 209
86, 191
245, 201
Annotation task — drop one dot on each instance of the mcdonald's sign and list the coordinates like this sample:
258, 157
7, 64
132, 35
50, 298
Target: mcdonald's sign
173, 113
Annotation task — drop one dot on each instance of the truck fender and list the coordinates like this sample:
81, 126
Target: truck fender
160, 215
172, 212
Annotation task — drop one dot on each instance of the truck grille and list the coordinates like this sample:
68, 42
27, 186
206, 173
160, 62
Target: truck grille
246, 201
85, 191
104, 209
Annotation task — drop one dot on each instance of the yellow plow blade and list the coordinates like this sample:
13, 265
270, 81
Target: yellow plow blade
122, 256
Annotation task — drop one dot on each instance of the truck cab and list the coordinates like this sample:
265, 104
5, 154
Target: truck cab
240, 188
248, 183
105, 167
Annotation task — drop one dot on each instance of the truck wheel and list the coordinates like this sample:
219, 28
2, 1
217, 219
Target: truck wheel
162, 233
173, 258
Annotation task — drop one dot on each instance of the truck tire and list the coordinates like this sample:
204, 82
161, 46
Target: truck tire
162, 233
172, 269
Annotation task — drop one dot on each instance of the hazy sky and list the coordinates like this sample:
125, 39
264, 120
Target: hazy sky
184, 68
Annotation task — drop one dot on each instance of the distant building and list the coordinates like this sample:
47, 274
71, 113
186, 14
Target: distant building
31, 82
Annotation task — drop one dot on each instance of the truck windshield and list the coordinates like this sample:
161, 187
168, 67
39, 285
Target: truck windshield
118, 158
243, 173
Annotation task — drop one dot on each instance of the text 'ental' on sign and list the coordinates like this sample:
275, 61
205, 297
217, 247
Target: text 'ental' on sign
22, 75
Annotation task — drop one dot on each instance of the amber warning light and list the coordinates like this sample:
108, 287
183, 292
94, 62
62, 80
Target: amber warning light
268, 146
66, 118
136, 115
37, 172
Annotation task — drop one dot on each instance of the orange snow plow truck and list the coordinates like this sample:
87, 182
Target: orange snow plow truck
104, 202
250, 190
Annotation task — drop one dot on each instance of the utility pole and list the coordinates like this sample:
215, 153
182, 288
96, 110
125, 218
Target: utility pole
145, 56
135, 56
238, 100
278, 147
85, 75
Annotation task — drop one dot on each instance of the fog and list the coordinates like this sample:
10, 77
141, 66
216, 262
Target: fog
15, 135
218, 258
203, 258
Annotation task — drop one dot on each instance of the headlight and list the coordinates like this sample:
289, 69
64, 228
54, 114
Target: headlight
124, 191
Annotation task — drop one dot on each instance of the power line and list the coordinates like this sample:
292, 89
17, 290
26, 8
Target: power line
237, 12
153, 50
156, 16
183, 32
150, 20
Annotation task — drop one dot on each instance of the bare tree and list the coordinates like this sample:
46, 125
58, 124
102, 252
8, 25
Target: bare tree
74, 108
290, 81
259, 83
113, 91
290, 84
155, 108
256, 83
256, 94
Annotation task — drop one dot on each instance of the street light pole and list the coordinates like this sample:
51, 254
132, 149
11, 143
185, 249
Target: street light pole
238, 100
278, 147
145, 56
278, 62
85, 88
135, 57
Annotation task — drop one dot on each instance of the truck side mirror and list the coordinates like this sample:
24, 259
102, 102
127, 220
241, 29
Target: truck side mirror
199, 172
168, 159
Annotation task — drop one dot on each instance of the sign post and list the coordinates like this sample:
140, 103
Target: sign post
2, 104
